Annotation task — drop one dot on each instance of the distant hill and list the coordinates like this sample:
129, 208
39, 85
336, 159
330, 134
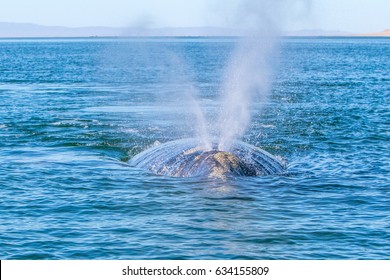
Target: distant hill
384, 33
35, 30
317, 32
11, 30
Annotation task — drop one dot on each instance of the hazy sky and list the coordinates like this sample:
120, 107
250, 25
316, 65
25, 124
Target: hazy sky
345, 15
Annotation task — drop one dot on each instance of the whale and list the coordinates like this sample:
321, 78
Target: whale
190, 158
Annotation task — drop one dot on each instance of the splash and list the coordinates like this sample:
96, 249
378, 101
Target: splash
184, 158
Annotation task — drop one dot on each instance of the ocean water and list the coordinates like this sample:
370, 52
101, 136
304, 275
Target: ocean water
75, 111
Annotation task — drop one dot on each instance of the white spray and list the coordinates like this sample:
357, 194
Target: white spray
248, 75
246, 81
189, 96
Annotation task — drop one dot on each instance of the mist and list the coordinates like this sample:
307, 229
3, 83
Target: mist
247, 78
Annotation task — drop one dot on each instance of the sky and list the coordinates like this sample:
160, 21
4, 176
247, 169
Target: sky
342, 15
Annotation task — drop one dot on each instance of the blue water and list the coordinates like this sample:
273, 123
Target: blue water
75, 111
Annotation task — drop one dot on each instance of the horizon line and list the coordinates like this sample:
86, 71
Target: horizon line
23, 30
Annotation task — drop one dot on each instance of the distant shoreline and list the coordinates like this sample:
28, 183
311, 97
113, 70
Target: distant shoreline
29, 30
191, 37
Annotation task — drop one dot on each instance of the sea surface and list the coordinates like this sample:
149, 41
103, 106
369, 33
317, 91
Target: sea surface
73, 112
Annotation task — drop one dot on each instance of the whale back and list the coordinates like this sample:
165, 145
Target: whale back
188, 158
